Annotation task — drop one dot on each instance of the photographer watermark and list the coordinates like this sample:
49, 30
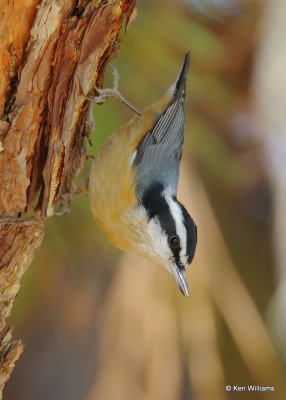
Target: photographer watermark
249, 388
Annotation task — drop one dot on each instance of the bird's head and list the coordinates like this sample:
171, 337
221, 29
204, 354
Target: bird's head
170, 234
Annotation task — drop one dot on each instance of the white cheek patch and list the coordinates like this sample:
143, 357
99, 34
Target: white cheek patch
178, 218
159, 239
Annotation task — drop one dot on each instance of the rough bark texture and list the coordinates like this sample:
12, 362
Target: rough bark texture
52, 54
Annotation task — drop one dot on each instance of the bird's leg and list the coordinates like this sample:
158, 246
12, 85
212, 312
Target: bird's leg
115, 77
62, 207
83, 188
104, 94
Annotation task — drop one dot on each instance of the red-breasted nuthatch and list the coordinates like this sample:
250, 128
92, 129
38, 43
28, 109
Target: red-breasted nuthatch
133, 186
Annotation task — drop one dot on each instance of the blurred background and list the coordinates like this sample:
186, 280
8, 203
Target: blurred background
102, 325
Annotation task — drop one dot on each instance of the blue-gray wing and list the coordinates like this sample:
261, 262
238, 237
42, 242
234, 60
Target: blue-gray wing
159, 153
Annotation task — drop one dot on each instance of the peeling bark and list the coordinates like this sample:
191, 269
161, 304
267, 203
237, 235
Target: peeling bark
52, 54
10, 351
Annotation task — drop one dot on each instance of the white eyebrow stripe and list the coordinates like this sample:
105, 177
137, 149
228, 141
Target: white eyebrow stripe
178, 218
132, 158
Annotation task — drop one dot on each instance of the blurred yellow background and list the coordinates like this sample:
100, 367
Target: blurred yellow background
102, 325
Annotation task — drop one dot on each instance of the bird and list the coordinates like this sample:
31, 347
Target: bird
133, 183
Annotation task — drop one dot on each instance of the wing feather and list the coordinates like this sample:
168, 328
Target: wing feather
159, 153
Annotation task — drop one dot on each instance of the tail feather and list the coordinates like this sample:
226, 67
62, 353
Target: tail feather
181, 80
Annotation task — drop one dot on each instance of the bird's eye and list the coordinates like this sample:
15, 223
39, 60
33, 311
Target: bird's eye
174, 242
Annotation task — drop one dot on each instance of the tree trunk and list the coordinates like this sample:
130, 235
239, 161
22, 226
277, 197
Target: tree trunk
52, 55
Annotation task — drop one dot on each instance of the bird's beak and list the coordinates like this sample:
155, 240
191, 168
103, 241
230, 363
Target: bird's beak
179, 275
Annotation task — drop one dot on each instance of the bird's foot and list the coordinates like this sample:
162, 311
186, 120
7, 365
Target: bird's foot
63, 206
104, 94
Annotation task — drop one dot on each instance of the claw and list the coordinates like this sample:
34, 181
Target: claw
63, 206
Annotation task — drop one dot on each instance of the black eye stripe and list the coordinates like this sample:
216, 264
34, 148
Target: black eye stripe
157, 206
